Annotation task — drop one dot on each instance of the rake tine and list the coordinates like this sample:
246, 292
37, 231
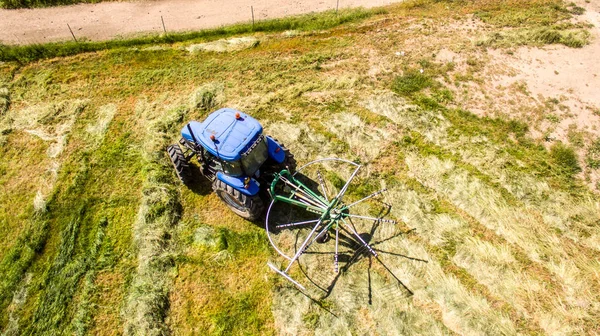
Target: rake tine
285, 275
322, 184
295, 224
383, 220
360, 238
337, 240
302, 248
340, 195
366, 198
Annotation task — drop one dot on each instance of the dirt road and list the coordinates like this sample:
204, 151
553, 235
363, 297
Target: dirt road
108, 20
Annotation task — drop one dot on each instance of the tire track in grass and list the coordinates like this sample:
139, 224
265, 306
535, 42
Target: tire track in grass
147, 302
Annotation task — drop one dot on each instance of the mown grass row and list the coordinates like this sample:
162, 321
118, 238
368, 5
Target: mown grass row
83, 315
222, 300
308, 22
558, 166
147, 303
18, 260
62, 279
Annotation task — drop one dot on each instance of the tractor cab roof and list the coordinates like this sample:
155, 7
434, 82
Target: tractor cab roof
232, 136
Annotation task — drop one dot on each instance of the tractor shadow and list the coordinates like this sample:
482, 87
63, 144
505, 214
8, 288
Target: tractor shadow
198, 184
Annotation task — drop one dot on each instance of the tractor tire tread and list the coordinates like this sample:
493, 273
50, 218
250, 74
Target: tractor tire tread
253, 205
180, 164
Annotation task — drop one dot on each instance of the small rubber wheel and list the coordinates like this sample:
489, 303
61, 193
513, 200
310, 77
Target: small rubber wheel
323, 238
247, 207
181, 165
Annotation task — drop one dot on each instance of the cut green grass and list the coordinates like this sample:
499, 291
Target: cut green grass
62, 279
514, 13
412, 82
565, 158
486, 200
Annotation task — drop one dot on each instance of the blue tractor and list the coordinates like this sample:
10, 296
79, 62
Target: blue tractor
235, 156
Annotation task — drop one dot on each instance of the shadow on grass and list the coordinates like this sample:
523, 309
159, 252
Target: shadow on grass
199, 184
357, 251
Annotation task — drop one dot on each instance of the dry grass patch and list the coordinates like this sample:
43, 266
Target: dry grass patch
365, 141
232, 44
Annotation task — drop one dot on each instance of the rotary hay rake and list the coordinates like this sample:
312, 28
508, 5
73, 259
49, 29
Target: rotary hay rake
320, 213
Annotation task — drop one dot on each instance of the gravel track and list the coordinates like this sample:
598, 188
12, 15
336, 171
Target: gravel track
108, 20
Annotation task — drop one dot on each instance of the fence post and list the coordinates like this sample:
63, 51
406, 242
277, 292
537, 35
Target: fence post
74, 39
163, 22
252, 9
337, 5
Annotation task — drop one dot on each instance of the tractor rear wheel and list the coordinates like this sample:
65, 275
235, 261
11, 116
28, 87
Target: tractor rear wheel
289, 162
181, 165
248, 207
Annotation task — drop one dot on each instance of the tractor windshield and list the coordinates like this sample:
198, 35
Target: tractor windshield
256, 155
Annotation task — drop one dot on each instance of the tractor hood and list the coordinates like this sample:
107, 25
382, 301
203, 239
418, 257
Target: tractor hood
232, 136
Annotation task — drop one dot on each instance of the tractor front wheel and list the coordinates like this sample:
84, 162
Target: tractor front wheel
181, 165
248, 207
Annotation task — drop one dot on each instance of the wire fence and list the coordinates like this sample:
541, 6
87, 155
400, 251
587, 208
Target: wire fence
115, 20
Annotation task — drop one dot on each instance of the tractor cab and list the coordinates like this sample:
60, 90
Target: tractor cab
234, 154
232, 139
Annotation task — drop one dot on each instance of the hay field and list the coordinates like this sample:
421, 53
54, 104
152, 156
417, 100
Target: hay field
100, 238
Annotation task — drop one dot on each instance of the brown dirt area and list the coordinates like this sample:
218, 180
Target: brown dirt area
108, 20
553, 88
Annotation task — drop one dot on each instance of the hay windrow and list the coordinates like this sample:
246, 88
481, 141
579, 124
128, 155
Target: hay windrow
50, 122
207, 97
4, 100
365, 141
16, 306
97, 130
225, 45
146, 305
518, 227
432, 125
